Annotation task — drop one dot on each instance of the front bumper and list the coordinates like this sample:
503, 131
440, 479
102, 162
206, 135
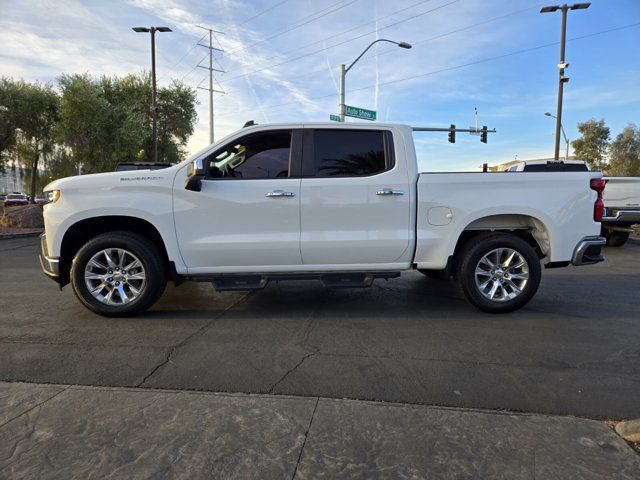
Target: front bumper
50, 265
588, 251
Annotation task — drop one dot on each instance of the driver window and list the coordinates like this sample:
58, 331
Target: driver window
256, 156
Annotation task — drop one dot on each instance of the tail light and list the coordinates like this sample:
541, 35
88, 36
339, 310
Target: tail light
598, 185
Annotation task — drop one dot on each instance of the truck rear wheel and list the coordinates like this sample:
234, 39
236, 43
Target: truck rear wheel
118, 274
498, 272
615, 238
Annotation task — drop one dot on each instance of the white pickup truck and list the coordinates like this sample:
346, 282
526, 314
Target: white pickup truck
622, 209
341, 203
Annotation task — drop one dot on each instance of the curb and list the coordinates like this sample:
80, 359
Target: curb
8, 236
635, 240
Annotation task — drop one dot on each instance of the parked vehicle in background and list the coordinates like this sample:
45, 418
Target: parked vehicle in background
2, 197
341, 203
40, 200
126, 166
622, 203
14, 199
549, 166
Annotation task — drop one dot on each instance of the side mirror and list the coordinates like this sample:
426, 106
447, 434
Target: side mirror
195, 173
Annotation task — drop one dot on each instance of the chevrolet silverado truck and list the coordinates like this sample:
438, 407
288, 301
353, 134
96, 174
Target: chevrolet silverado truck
341, 203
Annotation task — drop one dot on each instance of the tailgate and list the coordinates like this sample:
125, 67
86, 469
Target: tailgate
622, 192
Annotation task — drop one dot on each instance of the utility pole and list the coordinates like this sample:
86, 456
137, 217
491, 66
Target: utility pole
562, 65
211, 70
154, 107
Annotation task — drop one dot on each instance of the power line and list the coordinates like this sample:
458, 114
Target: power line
183, 57
339, 34
210, 68
261, 13
456, 67
297, 25
339, 43
429, 39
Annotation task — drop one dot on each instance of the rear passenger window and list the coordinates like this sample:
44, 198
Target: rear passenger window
350, 153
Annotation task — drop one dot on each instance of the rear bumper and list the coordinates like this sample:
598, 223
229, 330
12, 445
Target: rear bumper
50, 265
588, 251
629, 217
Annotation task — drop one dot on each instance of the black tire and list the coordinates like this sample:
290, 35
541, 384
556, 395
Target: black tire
435, 274
614, 238
147, 253
471, 254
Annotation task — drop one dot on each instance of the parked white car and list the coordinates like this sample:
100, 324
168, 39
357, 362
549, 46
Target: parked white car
341, 203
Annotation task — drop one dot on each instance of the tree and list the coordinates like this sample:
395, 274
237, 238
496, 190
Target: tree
108, 120
29, 115
594, 143
176, 119
38, 124
625, 153
9, 91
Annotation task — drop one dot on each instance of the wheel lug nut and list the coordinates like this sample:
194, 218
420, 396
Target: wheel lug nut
117, 283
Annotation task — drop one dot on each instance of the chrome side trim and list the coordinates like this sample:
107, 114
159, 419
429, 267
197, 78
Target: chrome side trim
579, 257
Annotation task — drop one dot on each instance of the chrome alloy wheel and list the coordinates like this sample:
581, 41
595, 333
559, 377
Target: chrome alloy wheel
115, 276
502, 274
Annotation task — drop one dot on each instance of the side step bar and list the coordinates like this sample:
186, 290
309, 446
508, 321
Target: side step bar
229, 282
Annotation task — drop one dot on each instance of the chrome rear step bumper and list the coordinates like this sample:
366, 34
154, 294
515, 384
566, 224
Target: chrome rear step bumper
588, 251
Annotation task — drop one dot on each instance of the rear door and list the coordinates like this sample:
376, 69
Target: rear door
355, 199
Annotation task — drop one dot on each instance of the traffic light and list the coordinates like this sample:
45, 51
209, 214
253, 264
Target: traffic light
452, 134
483, 134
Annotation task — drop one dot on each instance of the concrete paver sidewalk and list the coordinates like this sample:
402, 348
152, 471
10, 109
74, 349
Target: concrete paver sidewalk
59, 431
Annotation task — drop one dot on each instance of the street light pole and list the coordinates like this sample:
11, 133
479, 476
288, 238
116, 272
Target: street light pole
154, 108
566, 140
343, 73
562, 65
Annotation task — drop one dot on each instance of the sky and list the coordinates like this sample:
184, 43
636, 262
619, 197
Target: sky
281, 57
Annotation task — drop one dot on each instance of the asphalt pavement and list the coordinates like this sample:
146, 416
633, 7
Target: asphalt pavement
574, 350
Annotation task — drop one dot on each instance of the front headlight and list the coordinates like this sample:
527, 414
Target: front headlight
52, 195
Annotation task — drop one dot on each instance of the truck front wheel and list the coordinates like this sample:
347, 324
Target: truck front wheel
498, 272
118, 274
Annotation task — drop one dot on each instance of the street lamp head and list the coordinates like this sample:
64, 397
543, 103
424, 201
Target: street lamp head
163, 29
579, 6
140, 29
404, 45
548, 114
552, 8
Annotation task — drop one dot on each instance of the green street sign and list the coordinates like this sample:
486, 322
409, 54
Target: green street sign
358, 112
335, 118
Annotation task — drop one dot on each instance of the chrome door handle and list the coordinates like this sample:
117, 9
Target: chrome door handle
390, 191
280, 193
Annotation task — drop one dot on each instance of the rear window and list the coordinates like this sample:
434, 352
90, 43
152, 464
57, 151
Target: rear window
15, 197
350, 153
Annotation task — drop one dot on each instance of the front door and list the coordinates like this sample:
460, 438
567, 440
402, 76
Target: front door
247, 215
355, 208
